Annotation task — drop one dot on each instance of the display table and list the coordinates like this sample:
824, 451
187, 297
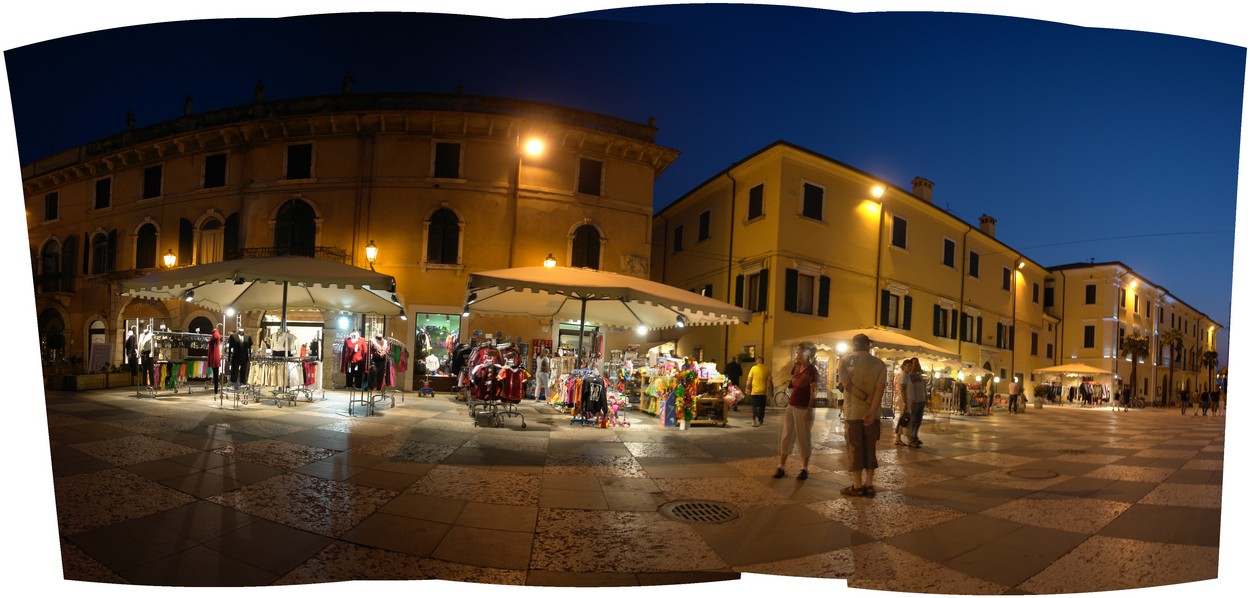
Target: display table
710, 411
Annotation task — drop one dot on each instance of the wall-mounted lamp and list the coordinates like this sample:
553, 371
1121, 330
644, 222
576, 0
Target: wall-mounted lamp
550, 262
403, 315
189, 297
371, 253
465, 313
681, 321
1020, 266
878, 191
171, 260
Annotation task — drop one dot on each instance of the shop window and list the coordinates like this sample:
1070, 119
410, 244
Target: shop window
152, 179
214, 171
586, 241
145, 247
813, 202
299, 159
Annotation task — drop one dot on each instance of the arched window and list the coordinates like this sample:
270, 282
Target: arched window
50, 266
585, 247
51, 336
100, 258
295, 229
212, 242
443, 240
145, 247
96, 333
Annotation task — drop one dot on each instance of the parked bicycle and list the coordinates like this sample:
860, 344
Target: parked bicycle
781, 398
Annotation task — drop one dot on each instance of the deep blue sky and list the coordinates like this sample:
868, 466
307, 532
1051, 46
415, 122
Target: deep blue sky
1106, 143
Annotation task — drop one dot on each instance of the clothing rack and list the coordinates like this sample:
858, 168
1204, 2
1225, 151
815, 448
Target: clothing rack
589, 391
172, 374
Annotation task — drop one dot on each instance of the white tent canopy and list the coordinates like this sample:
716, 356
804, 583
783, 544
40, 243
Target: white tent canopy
1075, 369
272, 283
881, 338
594, 297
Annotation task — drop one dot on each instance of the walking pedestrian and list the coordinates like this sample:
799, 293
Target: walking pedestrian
798, 419
733, 375
1013, 396
760, 385
1204, 401
863, 376
917, 398
901, 410
1215, 403
1184, 401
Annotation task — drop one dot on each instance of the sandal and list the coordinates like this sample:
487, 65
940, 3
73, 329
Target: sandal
869, 491
852, 491
900, 443
781, 473
802, 474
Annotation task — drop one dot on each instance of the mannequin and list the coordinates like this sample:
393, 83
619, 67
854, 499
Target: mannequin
285, 343
354, 360
240, 345
130, 355
377, 361
214, 357
146, 348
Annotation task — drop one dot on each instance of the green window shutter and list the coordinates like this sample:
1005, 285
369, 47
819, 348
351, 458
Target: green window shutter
906, 312
762, 304
792, 289
937, 320
885, 307
738, 282
979, 322
822, 308
111, 262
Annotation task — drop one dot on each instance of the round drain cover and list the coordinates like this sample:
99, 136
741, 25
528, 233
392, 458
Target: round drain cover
699, 511
1032, 474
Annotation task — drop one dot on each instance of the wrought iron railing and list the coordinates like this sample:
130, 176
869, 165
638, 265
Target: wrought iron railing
330, 254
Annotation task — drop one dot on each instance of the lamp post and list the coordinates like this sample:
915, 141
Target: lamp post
878, 191
371, 253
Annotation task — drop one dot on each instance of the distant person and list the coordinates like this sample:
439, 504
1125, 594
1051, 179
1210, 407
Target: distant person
796, 425
863, 376
1215, 402
760, 385
1013, 397
917, 397
901, 411
1184, 401
1204, 401
733, 375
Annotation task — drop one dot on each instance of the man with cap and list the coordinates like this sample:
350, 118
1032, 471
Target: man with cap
863, 377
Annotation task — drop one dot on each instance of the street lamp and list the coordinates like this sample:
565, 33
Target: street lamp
171, 260
550, 262
533, 147
371, 253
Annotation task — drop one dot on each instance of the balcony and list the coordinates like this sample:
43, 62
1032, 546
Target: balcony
54, 282
330, 254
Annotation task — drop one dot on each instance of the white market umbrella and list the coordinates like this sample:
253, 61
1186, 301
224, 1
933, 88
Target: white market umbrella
272, 283
594, 297
1076, 369
882, 339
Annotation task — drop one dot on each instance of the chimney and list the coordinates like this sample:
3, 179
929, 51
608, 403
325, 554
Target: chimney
987, 225
922, 188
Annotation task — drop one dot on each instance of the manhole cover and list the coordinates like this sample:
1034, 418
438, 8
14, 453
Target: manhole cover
699, 511
1032, 474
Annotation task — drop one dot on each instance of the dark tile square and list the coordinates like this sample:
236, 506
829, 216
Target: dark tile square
1168, 525
199, 567
271, 546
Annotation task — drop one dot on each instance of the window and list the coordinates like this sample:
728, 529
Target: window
807, 293
1036, 289
751, 291
586, 247
1120, 341
1122, 297
103, 193
446, 160
813, 202
1000, 336
299, 159
50, 266
1091, 294
1136, 305
186, 242
1033, 343
51, 206
755, 202
948, 253
1149, 309
1049, 297
895, 310
706, 291
970, 328
214, 171
102, 250
443, 238
1050, 351
1089, 337
898, 234
212, 242
1006, 279
295, 229
677, 238
590, 176
145, 247
974, 264
152, 177
705, 225
942, 322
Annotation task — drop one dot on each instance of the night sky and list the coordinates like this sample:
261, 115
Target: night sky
1118, 143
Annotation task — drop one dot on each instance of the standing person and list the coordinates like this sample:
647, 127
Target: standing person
901, 409
1215, 402
799, 417
214, 358
917, 398
1204, 401
1184, 401
377, 361
1013, 397
863, 375
733, 373
543, 378
760, 385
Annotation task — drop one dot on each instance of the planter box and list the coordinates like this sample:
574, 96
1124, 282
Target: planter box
86, 381
119, 379
55, 381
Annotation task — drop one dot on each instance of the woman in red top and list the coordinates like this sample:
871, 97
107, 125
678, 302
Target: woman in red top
796, 425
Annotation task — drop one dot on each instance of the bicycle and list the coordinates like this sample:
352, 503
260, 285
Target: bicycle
781, 398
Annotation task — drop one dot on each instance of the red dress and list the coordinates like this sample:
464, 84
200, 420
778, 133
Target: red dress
214, 350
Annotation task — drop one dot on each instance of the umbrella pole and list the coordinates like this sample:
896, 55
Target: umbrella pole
581, 332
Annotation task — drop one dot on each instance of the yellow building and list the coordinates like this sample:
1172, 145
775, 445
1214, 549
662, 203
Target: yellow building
1101, 303
439, 185
814, 246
